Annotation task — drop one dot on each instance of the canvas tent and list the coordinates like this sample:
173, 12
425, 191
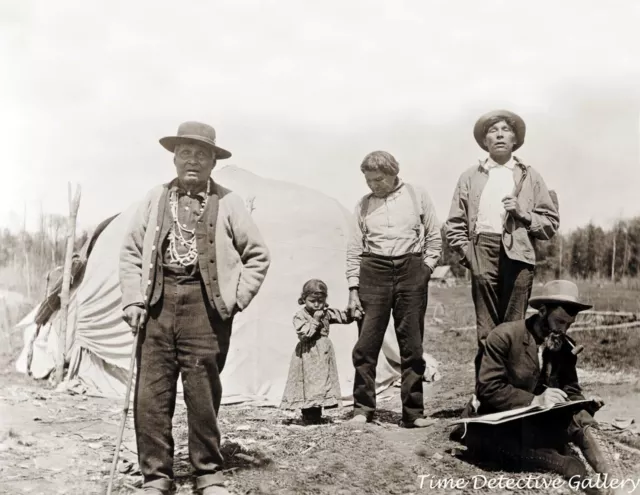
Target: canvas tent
443, 276
306, 232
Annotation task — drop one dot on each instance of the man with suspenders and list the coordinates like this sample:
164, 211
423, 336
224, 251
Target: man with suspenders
394, 247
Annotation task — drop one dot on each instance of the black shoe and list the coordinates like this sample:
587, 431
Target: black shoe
312, 415
419, 423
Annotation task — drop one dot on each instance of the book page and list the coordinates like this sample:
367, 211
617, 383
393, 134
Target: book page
520, 412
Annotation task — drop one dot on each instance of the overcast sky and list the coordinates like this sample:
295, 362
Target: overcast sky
302, 90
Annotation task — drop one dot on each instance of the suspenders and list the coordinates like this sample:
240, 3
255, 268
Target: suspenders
364, 209
417, 210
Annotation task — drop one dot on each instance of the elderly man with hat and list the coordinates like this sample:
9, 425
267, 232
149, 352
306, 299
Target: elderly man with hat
500, 207
191, 260
532, 362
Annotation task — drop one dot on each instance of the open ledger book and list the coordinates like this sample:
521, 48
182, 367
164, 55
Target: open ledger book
521, 412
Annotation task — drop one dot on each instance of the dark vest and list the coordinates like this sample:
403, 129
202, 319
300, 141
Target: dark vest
205, 244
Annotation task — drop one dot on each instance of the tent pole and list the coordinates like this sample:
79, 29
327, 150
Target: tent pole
74, 205
32, 343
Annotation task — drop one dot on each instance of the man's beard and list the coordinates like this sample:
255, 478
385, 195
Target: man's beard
554, 341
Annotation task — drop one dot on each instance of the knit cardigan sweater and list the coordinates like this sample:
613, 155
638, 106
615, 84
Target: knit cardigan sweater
242, 258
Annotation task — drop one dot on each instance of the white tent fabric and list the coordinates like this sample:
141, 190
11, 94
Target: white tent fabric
306, 232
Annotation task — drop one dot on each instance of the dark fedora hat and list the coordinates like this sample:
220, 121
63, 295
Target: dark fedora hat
479, 131
560, 292
195, 132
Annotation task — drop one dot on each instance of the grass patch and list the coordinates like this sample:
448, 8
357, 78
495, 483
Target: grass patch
611, 350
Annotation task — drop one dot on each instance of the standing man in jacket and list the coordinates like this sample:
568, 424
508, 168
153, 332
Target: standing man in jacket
191, 259
395, 246
499, 208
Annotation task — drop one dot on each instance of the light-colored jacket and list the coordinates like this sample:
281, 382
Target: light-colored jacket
394, 227
242, 257
517, 238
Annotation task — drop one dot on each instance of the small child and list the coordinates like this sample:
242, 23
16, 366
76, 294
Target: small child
313, 375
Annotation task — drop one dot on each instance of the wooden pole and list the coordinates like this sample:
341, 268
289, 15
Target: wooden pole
125, 411
74, 205
43, 236
27, 264
625, 255
613, 257
560, 261
34, 337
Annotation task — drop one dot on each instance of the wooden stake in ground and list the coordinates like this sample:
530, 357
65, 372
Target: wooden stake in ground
32, 343
34, 337
74, 205
27, 265
613, 256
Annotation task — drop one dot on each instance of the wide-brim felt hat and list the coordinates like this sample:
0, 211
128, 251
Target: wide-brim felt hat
195, 132
479, 131
559, 292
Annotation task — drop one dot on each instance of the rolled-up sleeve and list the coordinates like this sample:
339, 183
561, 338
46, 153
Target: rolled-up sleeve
433, 235
354, 249
339, 316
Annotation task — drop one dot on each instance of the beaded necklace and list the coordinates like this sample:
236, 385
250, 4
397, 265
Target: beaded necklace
177, 233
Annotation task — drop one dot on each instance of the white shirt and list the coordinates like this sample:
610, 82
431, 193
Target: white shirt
500, 183
540, 351
391, 224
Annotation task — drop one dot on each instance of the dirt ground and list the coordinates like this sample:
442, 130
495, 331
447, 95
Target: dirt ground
59, 443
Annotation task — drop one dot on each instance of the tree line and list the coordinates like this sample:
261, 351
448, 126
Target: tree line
27, 258
585, 253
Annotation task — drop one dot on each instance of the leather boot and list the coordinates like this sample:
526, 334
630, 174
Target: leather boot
586, 439
512, 456
589, 445
568, 466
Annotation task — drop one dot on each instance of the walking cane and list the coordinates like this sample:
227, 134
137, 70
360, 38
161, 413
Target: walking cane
125, 409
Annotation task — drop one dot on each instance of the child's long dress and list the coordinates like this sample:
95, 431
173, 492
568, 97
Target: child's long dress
313, 374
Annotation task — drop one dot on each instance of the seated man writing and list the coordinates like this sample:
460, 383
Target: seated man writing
530, 362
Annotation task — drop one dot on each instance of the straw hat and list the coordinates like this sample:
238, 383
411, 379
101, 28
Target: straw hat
479, 131
562, 292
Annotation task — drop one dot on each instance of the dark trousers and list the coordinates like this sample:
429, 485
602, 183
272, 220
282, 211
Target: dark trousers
184, 335
538, 442
500, 287
389, 286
